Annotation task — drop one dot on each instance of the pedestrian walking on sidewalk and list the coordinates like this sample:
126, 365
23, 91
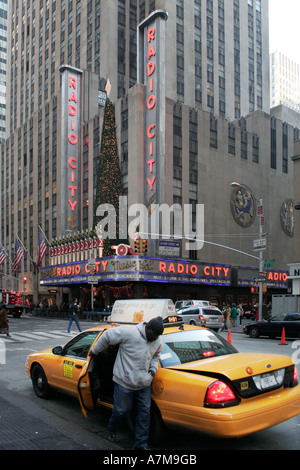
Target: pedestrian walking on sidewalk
226, 312
73, 315
4, 328
233, 315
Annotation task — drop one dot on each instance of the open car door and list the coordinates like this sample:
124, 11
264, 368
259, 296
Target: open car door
84, 389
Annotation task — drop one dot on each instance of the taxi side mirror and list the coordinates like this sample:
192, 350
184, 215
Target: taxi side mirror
57, 350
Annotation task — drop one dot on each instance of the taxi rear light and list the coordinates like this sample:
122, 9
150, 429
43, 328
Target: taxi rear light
208, 353
220, 395
295, 378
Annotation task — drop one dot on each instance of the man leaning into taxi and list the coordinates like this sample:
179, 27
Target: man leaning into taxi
135, 366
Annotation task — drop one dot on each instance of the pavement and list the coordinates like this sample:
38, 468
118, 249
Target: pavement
238, 329
21, 429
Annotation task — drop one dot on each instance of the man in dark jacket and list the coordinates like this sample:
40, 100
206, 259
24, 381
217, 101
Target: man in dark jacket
73, 315
135, 366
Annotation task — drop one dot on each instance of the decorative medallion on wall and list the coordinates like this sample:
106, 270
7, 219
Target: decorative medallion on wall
287, 217
243, 206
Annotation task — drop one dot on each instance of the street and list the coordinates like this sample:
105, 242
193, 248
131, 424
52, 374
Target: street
30, 423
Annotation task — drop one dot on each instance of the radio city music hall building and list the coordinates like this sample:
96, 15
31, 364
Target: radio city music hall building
186, 128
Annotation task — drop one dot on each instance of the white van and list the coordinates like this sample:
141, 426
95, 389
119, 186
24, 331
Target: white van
188, 303
196, 315
139, 310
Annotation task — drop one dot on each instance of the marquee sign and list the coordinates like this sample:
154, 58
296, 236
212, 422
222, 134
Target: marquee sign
247, 276
138, 269
180, 271
70, 148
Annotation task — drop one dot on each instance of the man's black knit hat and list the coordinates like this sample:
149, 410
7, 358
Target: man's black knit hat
156, 325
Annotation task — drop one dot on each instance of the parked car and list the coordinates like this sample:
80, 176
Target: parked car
274, 325
188, 303
211, 316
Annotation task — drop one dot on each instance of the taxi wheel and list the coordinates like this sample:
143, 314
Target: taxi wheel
157, 426
39, 382
254, 332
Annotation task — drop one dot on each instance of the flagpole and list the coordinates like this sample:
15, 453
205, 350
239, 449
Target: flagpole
39, 259
44, 235
26, 251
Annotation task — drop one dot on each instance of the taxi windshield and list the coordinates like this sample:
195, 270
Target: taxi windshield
189, 346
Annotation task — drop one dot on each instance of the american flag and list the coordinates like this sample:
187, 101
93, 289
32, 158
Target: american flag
2, 256
18, 256
41, 250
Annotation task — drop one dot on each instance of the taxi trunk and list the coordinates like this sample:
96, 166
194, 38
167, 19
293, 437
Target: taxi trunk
251, 376
258, 393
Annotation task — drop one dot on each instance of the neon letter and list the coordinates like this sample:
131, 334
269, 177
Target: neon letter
151, 102
71, 160
73, 83
72, 138
151, 182
149, 134
72, 204
151, 34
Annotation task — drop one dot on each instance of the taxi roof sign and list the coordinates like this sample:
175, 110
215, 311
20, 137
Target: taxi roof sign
141, 310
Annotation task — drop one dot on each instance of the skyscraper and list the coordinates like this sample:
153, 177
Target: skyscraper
216, 54
285, 81
209, 63
3, 67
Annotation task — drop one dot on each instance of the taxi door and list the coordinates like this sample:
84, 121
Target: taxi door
84, 389
72, 361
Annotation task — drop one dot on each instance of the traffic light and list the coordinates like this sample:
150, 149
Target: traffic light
144, 246
25, 279
137, 245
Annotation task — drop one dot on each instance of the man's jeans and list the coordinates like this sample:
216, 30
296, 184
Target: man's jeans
124, 399
75, 319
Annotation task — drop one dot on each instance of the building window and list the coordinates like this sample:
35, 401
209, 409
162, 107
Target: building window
193, 146
244, 144
231, 139
285, 147
255, 149
213, 132
177, 142
273, 143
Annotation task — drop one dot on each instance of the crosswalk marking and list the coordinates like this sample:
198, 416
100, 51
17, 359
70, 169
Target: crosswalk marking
35, 336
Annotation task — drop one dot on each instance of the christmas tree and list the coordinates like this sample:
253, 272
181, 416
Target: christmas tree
109, 186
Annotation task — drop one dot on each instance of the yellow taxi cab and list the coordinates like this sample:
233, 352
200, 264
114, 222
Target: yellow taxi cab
202, 382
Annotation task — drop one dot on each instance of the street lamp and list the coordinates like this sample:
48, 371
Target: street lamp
260, 282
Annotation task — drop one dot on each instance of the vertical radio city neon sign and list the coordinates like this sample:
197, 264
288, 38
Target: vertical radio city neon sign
151, 73
73, 140
150, 105
70, 148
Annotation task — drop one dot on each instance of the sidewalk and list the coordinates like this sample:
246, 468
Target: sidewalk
21, 430
238, 329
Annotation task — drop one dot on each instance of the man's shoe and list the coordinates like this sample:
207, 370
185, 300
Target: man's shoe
112, 437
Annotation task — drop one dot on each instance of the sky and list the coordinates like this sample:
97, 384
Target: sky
284, 27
